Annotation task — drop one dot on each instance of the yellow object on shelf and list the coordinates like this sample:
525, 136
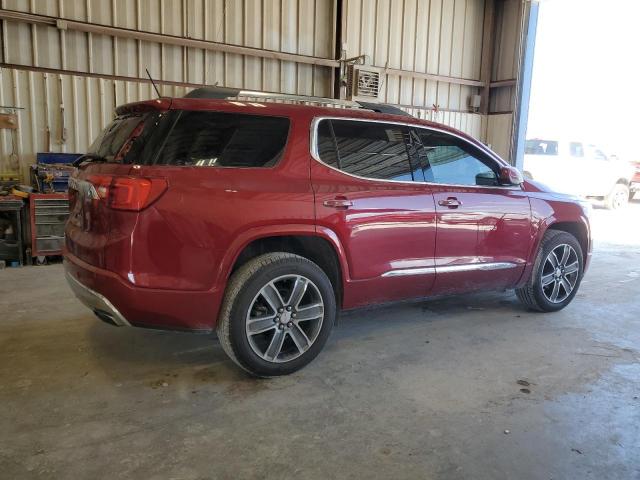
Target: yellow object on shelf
19, 193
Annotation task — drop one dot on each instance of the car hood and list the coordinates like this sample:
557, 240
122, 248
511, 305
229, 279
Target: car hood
530, 185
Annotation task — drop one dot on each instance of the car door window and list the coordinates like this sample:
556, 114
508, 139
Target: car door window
450, 160
372, 150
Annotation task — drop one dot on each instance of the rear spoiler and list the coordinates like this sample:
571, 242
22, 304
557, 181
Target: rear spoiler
163, 103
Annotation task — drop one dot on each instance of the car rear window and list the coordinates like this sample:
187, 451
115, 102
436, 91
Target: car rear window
218, 139
111, 140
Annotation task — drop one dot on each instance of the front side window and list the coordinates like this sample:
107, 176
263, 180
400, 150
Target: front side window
367, 149
218, 139
452, 161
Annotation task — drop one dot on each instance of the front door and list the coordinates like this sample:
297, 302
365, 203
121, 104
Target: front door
366, 191
483, 229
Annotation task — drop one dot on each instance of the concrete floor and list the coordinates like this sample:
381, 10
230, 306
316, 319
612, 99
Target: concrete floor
416, 391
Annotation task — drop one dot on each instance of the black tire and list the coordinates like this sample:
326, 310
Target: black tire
618, 198
532, 294
242, 291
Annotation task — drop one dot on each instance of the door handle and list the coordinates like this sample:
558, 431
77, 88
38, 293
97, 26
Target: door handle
451, 202
339, 203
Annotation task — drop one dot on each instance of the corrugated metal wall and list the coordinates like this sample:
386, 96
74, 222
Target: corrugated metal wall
293, 26
506, 64
65, 108
440, 37
506, 53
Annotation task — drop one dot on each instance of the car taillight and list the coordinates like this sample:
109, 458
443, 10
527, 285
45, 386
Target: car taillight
128, 193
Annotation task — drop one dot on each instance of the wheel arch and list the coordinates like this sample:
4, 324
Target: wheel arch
319, 247
576, 229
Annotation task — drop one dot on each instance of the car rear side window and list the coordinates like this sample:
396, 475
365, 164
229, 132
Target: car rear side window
367, 149
218, 139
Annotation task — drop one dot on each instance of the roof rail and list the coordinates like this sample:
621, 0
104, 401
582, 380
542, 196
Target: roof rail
384, 108
225, 92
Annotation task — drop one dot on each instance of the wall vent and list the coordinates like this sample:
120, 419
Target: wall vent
363, 83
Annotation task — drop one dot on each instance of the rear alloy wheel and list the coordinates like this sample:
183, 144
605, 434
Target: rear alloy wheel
618, 198
556, 274
284, 318
278, 311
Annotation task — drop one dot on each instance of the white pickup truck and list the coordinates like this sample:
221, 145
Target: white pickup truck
579, 169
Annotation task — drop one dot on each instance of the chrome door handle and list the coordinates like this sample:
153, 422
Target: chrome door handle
340, 203
451, 202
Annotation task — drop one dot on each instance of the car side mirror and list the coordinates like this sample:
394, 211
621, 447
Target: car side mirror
510, 176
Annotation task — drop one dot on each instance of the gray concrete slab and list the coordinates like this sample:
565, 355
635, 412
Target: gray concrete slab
426, 390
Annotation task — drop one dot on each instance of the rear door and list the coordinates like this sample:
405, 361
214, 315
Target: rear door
366, 191
483, 229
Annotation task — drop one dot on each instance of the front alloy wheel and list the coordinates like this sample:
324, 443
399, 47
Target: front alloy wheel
560, 273
556, 274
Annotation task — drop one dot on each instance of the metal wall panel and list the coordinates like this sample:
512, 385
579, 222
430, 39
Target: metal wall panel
439, 37
506, 53
499, 132
293, 26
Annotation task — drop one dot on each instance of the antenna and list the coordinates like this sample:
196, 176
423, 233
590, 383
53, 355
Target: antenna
153, 83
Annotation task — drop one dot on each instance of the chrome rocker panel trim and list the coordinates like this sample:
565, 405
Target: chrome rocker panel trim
450, 269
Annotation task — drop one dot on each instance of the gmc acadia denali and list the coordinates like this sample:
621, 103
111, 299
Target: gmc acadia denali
262, 220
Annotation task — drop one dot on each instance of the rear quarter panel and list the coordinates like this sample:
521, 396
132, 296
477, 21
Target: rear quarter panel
184, 240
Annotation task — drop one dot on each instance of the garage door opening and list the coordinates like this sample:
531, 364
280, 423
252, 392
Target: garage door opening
581, 135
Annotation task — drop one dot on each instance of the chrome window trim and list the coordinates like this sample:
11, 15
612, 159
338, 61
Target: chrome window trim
314, 153
467, 267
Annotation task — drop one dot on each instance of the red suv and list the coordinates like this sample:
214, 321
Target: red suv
261, 220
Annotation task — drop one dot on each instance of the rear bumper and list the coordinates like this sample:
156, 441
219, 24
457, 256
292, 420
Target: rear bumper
96, 302
122, 303
634, 187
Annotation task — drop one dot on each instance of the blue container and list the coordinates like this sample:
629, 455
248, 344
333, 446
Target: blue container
49, 157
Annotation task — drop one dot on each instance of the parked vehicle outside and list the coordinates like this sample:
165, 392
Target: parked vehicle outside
579, 169
634, 188
262, 220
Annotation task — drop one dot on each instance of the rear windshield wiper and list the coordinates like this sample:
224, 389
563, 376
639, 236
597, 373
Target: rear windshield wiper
89, 157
